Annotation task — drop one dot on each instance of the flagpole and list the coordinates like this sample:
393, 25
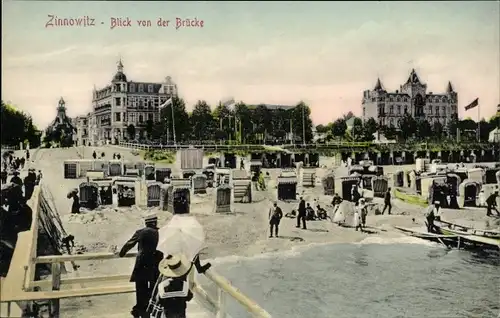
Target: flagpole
173, 123
478, 123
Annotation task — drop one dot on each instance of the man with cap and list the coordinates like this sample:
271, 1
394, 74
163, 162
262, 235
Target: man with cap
146, 263
275, 215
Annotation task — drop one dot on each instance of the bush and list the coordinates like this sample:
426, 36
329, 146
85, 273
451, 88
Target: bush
159, 156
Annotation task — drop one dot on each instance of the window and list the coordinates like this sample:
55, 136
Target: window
443, 111
118, 101
131, 118
391, 99
391, 110
141, 103
405, 99
118, 117
141, 88
141, 119
391, 122
398, 99
150, 88
150, 116
381, 111
118, 87
398, 109
132, 88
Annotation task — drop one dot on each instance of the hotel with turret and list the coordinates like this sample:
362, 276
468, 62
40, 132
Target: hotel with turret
412, 98
122, 103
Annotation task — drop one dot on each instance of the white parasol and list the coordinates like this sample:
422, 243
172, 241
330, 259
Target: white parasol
183, 234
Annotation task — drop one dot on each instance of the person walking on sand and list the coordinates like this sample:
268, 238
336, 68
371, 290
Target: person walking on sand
357, 220
363, 211
431, 216
146, 263
491, 204
301, 214
387, 201
275, 216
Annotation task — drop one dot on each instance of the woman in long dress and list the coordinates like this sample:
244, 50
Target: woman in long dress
356, 223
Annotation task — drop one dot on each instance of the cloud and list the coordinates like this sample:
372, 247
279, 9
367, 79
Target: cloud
329, 73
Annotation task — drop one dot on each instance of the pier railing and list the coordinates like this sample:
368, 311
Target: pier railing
248, 147
19, 288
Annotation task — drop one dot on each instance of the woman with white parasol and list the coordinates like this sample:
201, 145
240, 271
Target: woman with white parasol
182, 240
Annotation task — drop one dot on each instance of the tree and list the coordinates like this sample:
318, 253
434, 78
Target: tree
302, 123
17, 127
339, 127
131, 131
245, 124
322, 129
202, 121
225, 124
181, 120
389, 132
452, 126
424, 129
437, 130
357, 129
149, 128
370, 126
407, 126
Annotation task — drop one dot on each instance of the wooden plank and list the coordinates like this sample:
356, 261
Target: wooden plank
417, 232
83, 280
235, 293
34, 203
56, 284
481, 240
71, 293
10, 309
79, 257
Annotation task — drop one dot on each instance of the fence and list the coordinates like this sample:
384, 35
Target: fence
256, 148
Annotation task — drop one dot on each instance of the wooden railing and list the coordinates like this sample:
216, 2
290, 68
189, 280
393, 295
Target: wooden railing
249, 147
18, 288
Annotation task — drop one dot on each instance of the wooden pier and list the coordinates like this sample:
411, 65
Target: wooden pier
19, 288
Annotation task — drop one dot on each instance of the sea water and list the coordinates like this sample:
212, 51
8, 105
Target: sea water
369, 280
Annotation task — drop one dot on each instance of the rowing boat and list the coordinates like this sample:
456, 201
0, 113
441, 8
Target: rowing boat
448, 228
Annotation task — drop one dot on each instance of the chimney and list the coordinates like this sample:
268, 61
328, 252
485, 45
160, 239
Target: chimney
397, 91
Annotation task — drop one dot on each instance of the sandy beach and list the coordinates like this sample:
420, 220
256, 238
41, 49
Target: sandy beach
243, 233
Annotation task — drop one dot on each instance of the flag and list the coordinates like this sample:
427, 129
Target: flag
168, 102
229, 102
473, 104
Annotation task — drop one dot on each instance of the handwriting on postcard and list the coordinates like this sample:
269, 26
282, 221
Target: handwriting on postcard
125, 22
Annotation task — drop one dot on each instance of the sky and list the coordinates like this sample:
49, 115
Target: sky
323, 53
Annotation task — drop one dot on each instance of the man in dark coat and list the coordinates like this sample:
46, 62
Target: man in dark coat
94, 155
4, 176
145, 270
29, 183
275, 216
302, 214
16, 179
387, 201
491, 204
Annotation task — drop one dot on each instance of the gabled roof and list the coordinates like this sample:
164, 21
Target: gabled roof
413, 78
378, 85
449, 88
